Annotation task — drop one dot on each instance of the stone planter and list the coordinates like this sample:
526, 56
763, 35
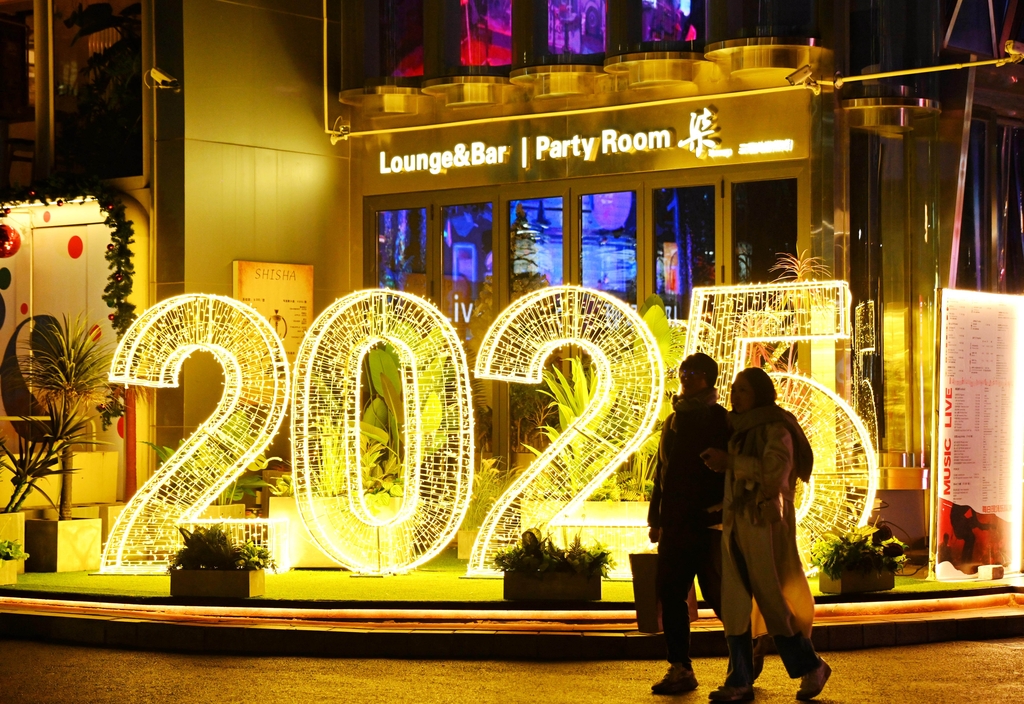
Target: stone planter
12, 527
52, 514
226, 511
466, 538
108, 515
851, 582
9, 571
552, 585
302, 549
63, 546
231, 584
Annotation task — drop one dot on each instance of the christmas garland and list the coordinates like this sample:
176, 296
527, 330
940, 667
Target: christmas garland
60, 189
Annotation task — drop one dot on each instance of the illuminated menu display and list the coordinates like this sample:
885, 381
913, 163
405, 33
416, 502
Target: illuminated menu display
979, 439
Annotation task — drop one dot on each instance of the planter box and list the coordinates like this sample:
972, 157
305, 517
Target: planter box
552, 585
12, 527
95, 482
63, 546
108, 516
851, 582
302, 549
466, 539
228, 511
234, 584
51, 514
9, 571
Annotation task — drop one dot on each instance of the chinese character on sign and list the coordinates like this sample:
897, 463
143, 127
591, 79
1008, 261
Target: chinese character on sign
703, 126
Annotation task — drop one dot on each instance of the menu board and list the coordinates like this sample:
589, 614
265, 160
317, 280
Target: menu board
282, 293
980, 433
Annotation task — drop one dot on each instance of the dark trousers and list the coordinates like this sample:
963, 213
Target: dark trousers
681, 557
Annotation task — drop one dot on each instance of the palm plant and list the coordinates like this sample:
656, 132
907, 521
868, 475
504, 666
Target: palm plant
66, 367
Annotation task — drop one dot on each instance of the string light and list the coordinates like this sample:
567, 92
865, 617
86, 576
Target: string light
437, 467
628, 384
250, 411
729, 322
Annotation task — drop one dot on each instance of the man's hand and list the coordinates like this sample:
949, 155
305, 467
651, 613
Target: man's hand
716, 460
655, 534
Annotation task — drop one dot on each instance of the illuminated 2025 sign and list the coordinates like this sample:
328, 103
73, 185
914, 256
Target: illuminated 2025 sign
438, 458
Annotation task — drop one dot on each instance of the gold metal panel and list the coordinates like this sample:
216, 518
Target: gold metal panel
631, 139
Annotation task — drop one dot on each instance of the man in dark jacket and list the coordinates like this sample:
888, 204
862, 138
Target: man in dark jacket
686, 513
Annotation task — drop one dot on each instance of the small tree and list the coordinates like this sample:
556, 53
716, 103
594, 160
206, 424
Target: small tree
66, 367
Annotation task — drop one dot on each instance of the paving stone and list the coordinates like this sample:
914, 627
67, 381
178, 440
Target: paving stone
121, 633
879, 634
161, 635
941, 631
911, 632
845, 636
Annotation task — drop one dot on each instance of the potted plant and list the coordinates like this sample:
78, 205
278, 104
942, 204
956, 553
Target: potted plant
11, 556
535, 568
35, 460
211, 564
65, 367
864, 560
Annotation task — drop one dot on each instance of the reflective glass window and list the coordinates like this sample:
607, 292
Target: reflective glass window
608, 261
467, 261
764, 226
402, 250
535, 235
684, 244
576, 26
486, 32
401, 38
672, 20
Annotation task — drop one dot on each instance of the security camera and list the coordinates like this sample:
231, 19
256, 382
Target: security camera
162, 80
800, 75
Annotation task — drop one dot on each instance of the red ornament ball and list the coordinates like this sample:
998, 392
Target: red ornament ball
10, 241
60, 202
110, 317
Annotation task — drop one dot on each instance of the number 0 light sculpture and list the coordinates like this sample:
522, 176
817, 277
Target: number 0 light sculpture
245, 420
437, 467
629, 382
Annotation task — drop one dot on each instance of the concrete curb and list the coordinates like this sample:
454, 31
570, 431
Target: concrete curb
471, 644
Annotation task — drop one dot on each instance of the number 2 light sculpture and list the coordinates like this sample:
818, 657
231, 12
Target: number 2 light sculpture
629, 382
245, 420
437, 467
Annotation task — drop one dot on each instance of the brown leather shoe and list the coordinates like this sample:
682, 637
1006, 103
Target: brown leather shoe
814, 681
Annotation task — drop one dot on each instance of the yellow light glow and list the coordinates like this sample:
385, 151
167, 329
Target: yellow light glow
629, 382
727, 322
438, 463
245, 420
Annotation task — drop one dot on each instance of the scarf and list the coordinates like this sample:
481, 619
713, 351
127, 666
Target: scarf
701, 400
803, 456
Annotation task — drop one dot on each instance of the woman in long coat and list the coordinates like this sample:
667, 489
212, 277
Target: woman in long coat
760, 560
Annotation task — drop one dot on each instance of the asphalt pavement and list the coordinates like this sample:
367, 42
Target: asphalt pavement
966, 671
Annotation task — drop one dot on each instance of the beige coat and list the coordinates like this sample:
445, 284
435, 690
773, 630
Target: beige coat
759, 552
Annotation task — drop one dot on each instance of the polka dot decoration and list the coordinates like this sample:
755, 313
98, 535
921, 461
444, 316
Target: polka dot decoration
5, 278
75, 247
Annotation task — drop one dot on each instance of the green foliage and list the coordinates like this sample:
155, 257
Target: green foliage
283, 486
11, 550
537, 553
247, 484
489, 482
213, 549
37, 457
866, 549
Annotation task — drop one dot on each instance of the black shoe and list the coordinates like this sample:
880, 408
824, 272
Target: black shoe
678, 679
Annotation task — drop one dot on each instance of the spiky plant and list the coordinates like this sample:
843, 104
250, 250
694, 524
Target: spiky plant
66, 368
